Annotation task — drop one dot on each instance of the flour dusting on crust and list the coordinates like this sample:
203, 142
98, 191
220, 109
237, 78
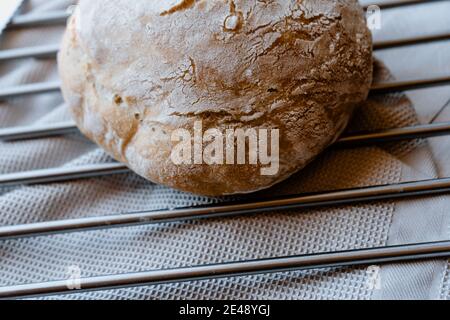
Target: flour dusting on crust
134, 73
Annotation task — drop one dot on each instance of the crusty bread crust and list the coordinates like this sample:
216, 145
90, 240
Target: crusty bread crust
132, 72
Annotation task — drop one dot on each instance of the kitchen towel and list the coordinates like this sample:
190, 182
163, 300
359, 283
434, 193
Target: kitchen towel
198, 242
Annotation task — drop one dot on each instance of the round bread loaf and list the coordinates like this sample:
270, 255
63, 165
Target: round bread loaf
133, 73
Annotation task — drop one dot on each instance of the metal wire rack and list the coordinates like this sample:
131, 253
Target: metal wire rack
403, 253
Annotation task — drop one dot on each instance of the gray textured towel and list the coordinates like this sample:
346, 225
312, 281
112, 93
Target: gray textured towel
232, 239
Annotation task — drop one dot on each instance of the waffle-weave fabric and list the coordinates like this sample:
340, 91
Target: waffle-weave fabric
238, 238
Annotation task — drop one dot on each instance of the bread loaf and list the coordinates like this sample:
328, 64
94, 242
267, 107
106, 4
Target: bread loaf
135, 72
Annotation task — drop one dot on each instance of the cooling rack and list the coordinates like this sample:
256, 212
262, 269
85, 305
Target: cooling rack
402, 253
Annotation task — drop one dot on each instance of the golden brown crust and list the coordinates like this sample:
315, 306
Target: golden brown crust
133, 74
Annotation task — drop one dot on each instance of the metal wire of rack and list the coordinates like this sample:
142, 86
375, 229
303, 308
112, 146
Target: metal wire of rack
402, 253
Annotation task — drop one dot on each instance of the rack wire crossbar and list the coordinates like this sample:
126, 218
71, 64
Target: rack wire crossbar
332, 198
403, 253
